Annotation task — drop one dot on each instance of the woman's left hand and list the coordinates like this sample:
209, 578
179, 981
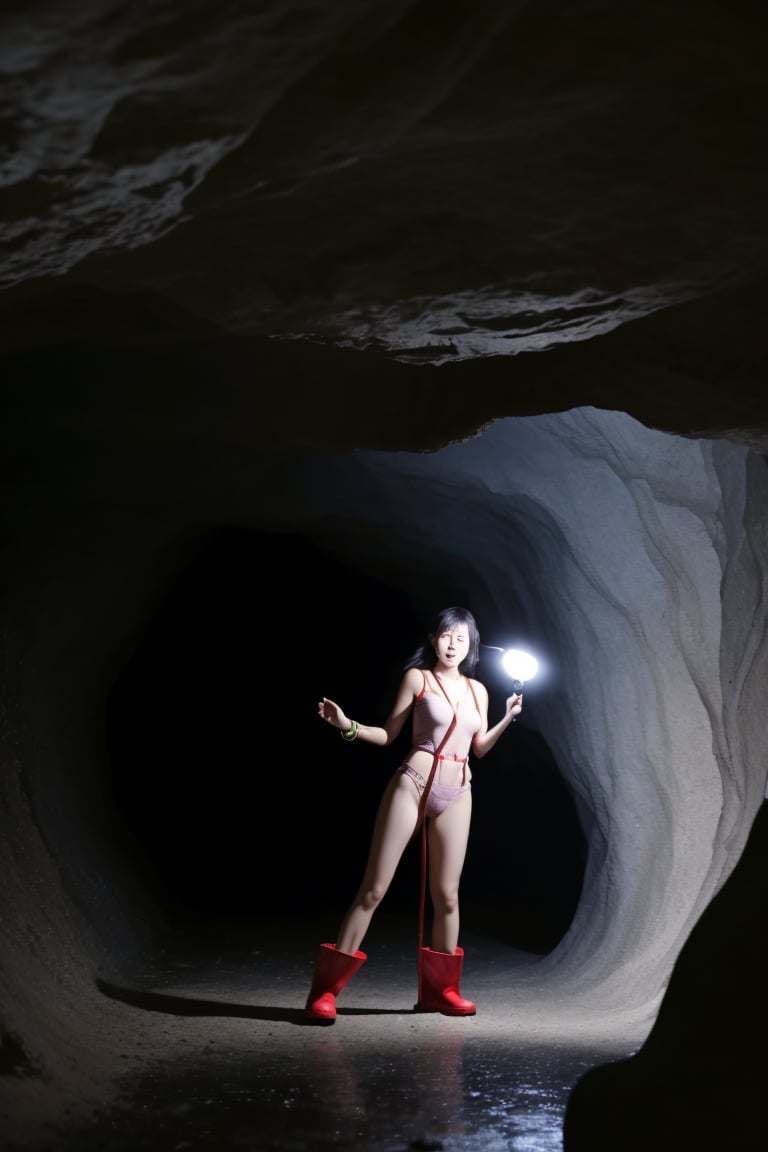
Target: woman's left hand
515, 705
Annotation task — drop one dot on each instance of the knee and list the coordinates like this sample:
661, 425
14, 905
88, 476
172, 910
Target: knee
446, 900
372, 897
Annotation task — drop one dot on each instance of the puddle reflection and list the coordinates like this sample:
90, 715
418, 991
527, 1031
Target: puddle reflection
420, 1093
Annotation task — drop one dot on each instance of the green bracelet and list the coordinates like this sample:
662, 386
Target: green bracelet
351, 732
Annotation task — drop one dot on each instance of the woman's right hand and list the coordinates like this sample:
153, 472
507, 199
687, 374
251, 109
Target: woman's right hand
330, 711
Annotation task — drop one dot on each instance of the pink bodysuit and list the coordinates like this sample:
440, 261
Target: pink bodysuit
432, 717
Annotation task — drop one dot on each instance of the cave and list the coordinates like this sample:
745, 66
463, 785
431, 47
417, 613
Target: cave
264, 417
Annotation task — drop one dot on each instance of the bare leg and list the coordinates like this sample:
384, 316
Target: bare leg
395, 823
447, 835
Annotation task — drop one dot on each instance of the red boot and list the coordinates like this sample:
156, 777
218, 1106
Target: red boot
440, 978
333, 969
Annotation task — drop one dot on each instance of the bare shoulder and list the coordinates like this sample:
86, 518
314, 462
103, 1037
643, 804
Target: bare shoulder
410, 686
413, 678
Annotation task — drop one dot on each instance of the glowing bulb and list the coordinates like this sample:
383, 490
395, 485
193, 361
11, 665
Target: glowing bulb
519, 665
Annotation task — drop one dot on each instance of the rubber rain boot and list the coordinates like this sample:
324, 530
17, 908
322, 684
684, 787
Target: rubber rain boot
440, 979
333, 970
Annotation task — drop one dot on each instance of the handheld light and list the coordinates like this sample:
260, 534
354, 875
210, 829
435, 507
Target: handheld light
521, 666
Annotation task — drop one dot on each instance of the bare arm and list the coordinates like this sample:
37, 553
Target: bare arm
401, 709
484, 740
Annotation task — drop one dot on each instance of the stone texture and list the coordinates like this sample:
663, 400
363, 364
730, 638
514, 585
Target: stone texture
314, 318
698, 1080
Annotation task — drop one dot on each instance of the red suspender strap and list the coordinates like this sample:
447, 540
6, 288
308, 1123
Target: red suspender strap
421, 820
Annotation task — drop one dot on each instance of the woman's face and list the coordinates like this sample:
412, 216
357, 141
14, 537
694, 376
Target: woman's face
452, 645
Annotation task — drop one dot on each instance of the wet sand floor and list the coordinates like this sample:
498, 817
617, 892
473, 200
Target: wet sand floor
242, 1069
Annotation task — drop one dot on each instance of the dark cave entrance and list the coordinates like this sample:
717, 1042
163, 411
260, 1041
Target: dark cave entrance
246, 806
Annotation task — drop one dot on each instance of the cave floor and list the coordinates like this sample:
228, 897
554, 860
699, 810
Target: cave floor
213, 1052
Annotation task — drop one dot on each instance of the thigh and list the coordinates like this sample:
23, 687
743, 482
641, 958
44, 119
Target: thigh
448, 835
396, 819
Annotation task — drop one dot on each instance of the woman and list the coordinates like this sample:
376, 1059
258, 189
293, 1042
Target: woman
450, 716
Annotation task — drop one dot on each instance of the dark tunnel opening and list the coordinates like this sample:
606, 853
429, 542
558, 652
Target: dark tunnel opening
246, 806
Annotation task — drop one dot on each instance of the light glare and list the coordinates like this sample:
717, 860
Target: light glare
519, 665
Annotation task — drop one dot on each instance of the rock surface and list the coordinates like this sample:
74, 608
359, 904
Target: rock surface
312, 321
